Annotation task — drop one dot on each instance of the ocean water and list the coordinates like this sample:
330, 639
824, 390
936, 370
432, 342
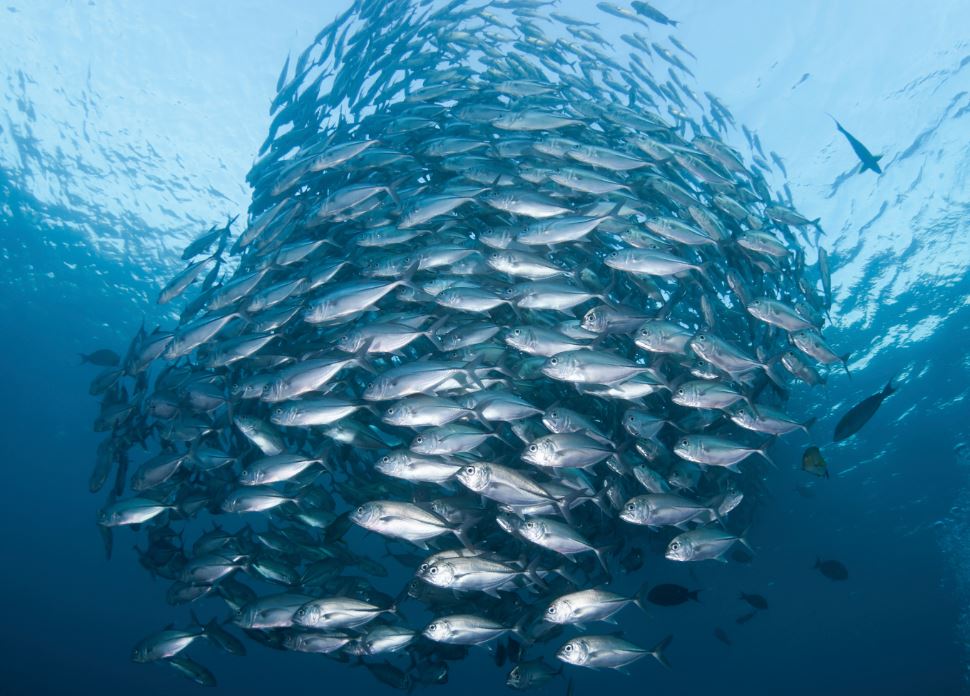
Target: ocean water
127, 129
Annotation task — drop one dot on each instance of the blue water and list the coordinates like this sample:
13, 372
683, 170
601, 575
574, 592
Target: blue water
141, 137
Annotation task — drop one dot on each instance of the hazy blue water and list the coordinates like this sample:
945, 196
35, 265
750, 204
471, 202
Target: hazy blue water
99, 182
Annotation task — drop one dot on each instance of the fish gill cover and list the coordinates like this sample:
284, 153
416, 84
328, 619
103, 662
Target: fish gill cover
505, 299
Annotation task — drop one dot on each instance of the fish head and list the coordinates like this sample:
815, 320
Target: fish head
230, 503
106, 517
575, 652
556, 419
594, 320
558, 367
519, 338
351, 342
686, 448
425, 443
534, 530
378, 389
284, 415
741, 414
440, 574
702, 344
538, 452
438, 630
366, 515
308, 615
251, 476
398, 414
508, 523
680, 549
558, 612
636, 511
475, 477
392, 463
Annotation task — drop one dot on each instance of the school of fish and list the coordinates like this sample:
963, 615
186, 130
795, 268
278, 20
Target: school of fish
507, 316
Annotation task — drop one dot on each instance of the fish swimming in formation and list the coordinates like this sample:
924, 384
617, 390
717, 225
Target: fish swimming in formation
869, 160
859, 415
505, 307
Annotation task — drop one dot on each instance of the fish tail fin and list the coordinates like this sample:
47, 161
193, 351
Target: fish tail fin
808, 424
694, 595
640, 599
84, 359
520, 630
845, 363
763, 451
602, 558
889, 388
658, 651
743, 540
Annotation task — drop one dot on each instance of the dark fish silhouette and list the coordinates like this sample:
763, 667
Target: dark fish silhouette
102, 358
745, 618
869, 160
670, 595
722, 636
860, 414
833, 570
755, 600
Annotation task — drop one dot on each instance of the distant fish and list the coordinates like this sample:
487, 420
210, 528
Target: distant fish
860, 414
670, 595
755, 600
814, 463
722, 636
102, 358
833, 570
745, 618
869, 160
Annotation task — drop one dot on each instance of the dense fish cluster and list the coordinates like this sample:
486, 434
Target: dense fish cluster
507, 302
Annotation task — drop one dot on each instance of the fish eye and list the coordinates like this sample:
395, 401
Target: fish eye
469, 470
390, 411
702, 337
385, 459
684, 442
433, 570
245, 473
675, 545
419, 439
533, 448
433, 627
569, 647
680, 392
630, 507
554, 414
553, 361
530, 524
551, 609
279, 412
360, 510
517, 332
